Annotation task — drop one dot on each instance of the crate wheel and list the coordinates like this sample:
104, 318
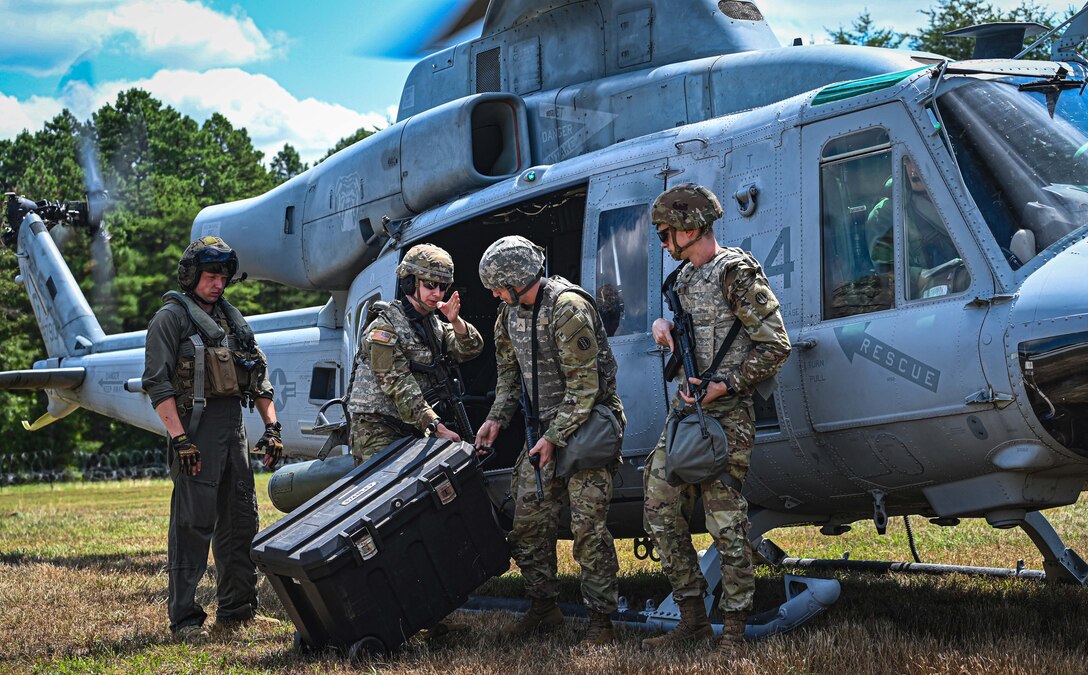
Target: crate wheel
368, 646
300, 646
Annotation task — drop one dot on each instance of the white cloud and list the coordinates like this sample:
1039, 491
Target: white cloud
271, 114
17, 116
51, 35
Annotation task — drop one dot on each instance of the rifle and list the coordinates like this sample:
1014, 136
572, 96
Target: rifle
530, 441
683, 338
450, 388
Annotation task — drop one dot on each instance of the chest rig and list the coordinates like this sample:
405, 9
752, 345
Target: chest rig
216, 361
702, 293
551, 383
366, 394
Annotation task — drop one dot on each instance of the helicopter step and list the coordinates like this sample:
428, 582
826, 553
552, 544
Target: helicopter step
806, 598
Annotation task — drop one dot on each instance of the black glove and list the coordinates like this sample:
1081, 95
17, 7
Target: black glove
188, 454
271, 443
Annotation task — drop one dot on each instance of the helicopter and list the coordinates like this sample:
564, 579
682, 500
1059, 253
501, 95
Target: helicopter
921, 221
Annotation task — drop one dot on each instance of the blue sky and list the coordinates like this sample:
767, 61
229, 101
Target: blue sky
305, 73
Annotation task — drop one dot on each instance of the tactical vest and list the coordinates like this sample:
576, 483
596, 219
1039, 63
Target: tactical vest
701, 292
229, 351
366, 395
552, 386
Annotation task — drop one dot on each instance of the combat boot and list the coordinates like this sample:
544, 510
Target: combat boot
543, 616
599, 631
192, 634
694, 626
732, 642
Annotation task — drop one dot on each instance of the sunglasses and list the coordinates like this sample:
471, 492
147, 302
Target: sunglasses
432, 285
663, 234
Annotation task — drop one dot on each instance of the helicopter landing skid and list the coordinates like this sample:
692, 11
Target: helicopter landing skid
806, 597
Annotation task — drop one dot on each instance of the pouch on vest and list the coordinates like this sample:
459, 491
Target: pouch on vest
593, 445
222, 378
690, 458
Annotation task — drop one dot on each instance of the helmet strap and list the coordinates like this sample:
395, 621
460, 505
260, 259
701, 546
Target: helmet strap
677, 249
516, 294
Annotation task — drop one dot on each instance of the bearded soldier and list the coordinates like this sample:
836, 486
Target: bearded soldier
201, 365
388, 400
717, 286
554, 321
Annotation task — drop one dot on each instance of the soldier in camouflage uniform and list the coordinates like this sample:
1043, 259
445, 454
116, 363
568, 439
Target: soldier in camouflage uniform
213, 499
575, 371
387, 399
716, 285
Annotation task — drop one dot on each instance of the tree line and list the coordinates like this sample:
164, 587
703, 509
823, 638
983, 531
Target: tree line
160, 168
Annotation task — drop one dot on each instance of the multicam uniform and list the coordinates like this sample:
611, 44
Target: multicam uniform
387, 401
575, 371
218, 505
731, 284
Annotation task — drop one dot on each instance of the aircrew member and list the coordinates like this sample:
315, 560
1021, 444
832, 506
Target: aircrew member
716, 285
201, 365
574, 371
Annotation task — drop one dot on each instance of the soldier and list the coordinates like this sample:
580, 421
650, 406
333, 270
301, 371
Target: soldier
575, 370
201, 365
387, 395
716, 285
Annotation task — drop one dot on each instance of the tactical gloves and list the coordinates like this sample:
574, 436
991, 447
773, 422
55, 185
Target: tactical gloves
188, 454
271, 443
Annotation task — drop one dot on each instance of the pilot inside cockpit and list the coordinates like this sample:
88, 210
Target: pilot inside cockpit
934, 265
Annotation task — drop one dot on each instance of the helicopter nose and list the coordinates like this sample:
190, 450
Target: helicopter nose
1048, 331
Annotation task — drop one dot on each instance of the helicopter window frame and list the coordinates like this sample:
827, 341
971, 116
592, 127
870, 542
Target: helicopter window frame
851, 282
633, 220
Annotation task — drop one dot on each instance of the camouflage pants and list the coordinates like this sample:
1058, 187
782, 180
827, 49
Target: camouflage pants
370, 434
536, 526
668, 510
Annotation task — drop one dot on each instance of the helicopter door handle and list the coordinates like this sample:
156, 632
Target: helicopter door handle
659, 349
807, 343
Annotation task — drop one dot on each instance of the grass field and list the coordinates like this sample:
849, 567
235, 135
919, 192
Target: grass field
83, 589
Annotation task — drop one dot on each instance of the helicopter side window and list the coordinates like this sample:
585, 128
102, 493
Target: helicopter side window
933, 265
622, 248
857, 268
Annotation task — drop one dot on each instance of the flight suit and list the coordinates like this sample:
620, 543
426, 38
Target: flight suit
387, 398
731, 285
219, 504
575, 371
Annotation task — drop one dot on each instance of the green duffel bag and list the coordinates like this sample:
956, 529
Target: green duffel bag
595, 444
691, 458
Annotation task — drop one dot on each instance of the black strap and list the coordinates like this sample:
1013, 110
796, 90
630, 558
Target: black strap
734, 330
536, 389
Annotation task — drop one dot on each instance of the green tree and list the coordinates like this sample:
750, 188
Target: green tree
864, 31
344, 142
287, 164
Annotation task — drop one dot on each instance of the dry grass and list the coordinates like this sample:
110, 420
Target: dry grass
83, 589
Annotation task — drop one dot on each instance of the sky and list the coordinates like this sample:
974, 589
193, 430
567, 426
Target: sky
305, 73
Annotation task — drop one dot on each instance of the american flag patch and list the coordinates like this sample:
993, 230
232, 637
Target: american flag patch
382, 336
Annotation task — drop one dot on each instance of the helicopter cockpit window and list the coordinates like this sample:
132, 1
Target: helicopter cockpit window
854, 171
933, 265
1022, 146
622, 246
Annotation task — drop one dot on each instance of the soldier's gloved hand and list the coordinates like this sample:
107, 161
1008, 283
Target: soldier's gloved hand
188, 454
271, 443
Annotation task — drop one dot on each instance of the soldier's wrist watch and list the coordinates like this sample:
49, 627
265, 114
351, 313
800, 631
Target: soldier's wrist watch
432, 428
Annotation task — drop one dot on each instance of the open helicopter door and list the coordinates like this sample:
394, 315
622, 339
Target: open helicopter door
889, 332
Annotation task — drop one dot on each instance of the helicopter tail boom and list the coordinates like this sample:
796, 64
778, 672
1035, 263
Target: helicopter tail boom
67, 323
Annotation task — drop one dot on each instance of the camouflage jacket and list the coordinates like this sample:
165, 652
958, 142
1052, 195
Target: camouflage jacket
732, 286
168, 355
575, 366
384, 383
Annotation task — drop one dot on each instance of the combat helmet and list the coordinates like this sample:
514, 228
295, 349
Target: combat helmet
687, 207
426, 262
510, 263
207, 254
